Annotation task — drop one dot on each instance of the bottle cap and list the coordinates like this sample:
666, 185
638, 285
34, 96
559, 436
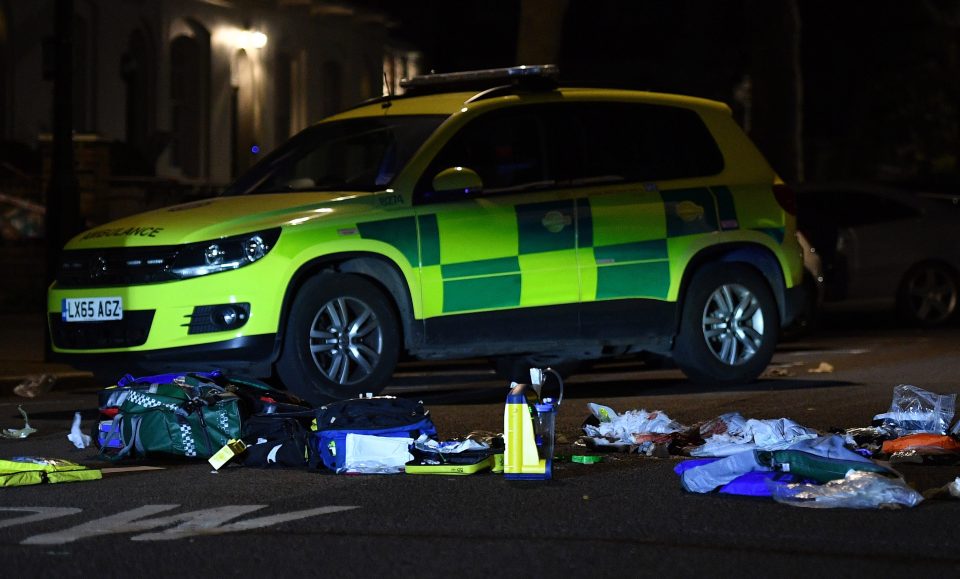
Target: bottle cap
544, 407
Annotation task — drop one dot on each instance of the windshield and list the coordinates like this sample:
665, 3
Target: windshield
357, 154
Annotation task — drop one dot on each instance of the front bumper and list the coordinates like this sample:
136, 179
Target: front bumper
159, 330
251, 356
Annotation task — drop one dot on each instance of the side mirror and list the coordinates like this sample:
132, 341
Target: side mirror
457, 181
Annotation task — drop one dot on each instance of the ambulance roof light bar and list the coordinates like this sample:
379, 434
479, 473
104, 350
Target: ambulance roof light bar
536, 73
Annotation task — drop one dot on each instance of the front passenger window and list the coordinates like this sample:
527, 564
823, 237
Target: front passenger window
506, 150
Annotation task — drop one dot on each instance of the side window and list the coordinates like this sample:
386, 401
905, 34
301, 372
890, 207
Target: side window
506, 148
867, 209
623, 142
852, 209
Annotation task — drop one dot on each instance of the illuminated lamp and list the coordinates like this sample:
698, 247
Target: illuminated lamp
249, 39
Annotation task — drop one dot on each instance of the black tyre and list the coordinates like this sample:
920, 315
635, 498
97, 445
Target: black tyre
928, 295
342, 339
729, 326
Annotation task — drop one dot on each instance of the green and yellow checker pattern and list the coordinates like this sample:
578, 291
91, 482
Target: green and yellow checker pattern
489, 254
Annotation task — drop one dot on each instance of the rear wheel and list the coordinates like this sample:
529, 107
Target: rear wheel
342, 339
729, 326
928, 295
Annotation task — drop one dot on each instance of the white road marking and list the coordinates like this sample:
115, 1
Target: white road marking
840, 351
203, 522
41, 514
123, 469
247, 525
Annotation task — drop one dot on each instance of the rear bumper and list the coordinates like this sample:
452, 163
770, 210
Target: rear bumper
793, 303
248, 355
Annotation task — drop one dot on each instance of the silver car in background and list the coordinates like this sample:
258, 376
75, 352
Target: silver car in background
885, 248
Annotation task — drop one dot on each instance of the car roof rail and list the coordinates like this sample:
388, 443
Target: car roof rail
528, 77
540, 77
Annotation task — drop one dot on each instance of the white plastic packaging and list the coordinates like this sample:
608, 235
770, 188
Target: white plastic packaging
376, 454
916, 410
858, 490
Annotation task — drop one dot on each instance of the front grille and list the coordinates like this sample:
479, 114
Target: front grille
116, 266
132, 330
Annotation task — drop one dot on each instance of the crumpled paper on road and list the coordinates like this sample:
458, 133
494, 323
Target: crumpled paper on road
730, 433
76, 436
633, 427
35, 385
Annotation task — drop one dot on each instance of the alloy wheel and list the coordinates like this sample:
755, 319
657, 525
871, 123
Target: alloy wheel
733, 324
932, 295
346, 340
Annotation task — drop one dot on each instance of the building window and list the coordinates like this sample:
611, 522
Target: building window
332, 88
136, 69
81, 74
245, 147
189, 79
283, 96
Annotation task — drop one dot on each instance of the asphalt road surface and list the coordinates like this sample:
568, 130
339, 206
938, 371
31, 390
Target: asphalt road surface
627, 516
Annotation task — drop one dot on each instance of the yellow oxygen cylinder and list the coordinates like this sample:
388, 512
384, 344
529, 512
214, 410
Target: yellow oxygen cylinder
520, 457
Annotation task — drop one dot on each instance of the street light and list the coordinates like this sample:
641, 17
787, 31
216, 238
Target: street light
249, 39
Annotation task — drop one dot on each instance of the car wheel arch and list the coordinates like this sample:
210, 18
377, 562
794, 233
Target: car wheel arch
757, 256
375, 268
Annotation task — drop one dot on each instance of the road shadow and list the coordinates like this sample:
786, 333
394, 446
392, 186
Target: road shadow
680, 386
615, 379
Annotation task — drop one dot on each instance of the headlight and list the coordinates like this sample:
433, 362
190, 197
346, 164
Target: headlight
223, 254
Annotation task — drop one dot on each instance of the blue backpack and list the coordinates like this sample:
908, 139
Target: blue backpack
385, 416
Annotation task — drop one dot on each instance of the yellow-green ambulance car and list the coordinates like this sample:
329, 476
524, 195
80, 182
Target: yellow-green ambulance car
490, 213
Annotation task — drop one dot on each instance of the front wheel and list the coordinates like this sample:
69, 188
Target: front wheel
341, 341
729, 326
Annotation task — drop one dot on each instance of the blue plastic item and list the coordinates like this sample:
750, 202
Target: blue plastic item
751, 484
330, 444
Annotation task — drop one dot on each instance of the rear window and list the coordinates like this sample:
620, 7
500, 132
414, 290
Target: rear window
640, 142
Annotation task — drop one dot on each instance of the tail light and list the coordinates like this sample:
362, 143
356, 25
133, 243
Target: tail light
786, 198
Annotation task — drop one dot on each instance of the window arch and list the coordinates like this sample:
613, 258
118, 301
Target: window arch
332, 78
137, 66
283, 80
190, 100
81, 74
243, 113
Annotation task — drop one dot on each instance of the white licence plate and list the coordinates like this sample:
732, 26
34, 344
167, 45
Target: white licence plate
91, 309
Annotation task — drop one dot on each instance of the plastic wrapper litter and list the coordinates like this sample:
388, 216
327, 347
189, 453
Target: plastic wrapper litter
931, 456
858, 490
916, 410
731, 433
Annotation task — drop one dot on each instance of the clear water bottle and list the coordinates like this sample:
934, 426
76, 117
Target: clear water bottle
545, 426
